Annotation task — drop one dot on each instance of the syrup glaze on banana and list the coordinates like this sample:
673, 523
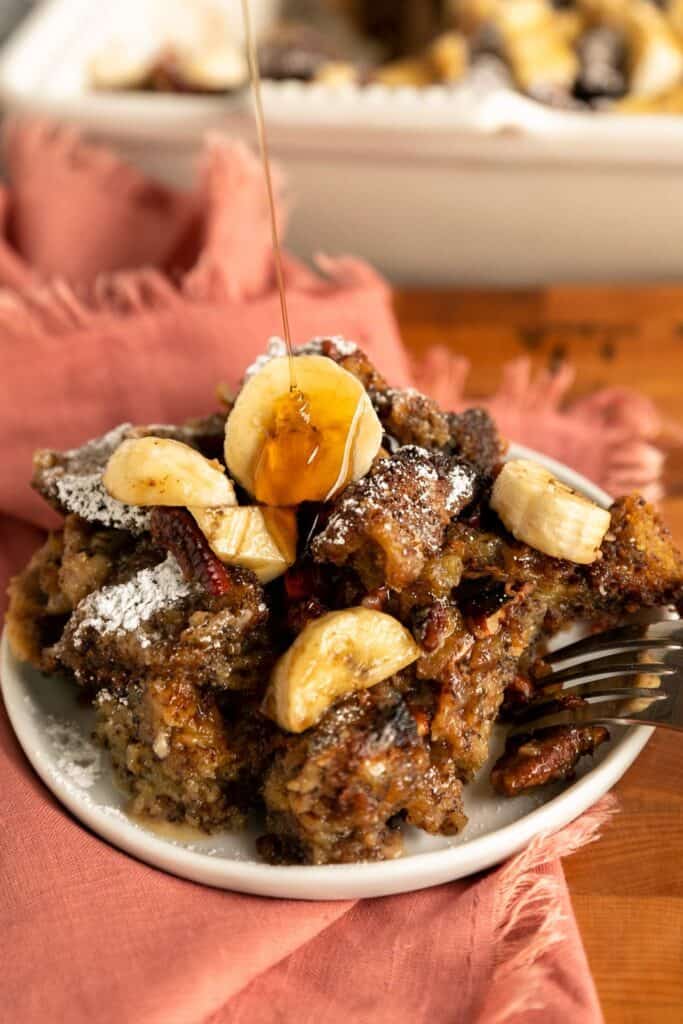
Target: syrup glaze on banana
282, 463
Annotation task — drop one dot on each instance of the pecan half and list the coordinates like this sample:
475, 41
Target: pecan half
176, 530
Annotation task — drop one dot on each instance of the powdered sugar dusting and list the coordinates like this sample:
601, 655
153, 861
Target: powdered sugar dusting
406, 490
276, 348
126, 606
105, 696
85, 495
459, 487
98, 450
389, 394
342, 345
75, 756
73, 480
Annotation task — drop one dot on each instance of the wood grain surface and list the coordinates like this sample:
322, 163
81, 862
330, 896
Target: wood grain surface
627, 888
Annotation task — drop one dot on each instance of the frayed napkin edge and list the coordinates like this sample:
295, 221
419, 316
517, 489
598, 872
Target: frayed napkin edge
529, 920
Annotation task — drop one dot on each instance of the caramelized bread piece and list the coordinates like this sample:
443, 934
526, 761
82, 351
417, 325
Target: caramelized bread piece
334, 794
475, 437
350, 357
38, 608
508, 597
389, 523
104, 606
157, 621
71, 481
412, 418
640, 565
69, 566
170, 750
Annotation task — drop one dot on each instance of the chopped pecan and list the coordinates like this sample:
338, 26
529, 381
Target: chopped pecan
302, 581
376, 599
518, 693
176, 530
300, 613
544, 756
433, 624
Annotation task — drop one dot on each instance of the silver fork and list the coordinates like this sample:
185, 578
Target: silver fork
627, 676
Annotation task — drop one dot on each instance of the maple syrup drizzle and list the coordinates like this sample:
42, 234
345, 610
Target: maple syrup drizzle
308, 447
255, 79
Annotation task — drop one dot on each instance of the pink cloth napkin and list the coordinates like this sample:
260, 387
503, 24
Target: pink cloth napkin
610, 435
126, 300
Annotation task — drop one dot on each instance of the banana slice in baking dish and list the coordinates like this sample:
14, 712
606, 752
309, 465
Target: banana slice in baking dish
540, 510
535, 45
655, 53
338, 654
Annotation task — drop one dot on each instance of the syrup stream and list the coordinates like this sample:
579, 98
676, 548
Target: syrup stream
255, 79
293, 451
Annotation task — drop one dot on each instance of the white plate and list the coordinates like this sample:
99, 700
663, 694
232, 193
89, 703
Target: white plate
49, 723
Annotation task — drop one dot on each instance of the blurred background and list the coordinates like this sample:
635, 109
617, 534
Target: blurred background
507, 142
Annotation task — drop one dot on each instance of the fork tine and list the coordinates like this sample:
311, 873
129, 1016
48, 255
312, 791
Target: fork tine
620, 688
605, 668
542, 707
609, 711
667, 632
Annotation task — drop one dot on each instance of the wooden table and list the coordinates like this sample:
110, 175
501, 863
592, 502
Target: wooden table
627, 889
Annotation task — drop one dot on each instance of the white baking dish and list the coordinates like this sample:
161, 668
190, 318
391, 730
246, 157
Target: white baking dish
440, 186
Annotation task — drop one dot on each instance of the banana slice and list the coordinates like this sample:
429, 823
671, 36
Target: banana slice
161, 471
335, 73
535, 40
546, 514
675, 17
260, 539
537, 50
335, 655
288, 446
656, 54
120, 65
655, 51
449, 55
472, 14
218, 68
413, 71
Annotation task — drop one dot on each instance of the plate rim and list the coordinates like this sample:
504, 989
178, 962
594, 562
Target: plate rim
332, 881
